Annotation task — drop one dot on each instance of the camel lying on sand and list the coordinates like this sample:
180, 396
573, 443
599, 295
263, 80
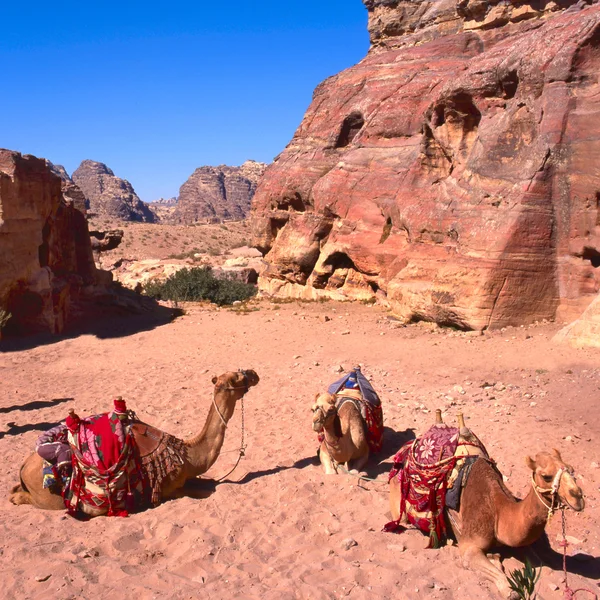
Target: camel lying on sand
344, 434
200, 452
491, 516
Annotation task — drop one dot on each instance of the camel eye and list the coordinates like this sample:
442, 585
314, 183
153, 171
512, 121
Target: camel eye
547, 478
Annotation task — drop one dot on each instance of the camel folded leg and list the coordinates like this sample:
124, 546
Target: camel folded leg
327, 462
475, 559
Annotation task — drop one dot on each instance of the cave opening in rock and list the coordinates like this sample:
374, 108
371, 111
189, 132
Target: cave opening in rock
294, 203
338, 262
352, 124
510, 84
592, 255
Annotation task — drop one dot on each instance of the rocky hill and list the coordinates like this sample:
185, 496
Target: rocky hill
218, 193
451, 174
108, 195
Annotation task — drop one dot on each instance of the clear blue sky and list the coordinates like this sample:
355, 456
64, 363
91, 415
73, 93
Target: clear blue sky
156, 89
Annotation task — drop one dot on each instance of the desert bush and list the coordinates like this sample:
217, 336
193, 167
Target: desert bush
199, 283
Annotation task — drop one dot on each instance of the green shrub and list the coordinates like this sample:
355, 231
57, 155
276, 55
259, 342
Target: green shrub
199, 283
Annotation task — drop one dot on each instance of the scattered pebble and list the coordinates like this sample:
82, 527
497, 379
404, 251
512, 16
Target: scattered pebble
349, 543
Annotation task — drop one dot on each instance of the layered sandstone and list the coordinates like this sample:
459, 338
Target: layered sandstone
45, 251
453, 173
218, 193
108, 195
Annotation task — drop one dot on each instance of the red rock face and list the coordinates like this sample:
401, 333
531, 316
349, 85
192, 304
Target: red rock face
45, 250
453, 173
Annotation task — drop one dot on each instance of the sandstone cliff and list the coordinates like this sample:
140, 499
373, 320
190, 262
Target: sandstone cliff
45, 251
108, 195
218, 193
453, 173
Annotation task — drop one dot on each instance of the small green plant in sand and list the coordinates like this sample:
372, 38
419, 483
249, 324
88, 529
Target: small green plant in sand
199, 283
523, 581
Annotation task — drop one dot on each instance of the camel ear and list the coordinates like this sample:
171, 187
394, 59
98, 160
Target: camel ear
556, 454
530, 463
317, 395
214, 379
331, 399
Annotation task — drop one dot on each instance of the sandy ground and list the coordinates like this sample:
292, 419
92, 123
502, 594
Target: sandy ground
278, 528
164, 241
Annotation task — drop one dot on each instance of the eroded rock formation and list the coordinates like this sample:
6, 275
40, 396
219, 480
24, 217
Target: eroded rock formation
45, 252
453, 173
108, 195
218, 193
585, 331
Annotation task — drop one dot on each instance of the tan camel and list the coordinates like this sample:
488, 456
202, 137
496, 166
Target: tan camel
344, 433
490, 515
200, 451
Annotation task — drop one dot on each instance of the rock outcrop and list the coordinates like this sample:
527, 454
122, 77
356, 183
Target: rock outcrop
218, 193
45, 249
585, 331
453, 173
108, 195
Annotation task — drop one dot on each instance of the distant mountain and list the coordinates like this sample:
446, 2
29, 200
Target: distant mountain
218, 193
110, 196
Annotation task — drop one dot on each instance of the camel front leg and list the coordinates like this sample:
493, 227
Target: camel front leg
474, 558
327, 461
359, 463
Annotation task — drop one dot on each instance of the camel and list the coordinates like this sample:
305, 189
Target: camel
490, 515
344, 434
200, 452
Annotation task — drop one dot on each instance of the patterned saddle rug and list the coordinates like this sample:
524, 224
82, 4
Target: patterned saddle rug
106, 476
109, 462
426, 469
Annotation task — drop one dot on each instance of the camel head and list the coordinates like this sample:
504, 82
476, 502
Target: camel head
323, 410
551, 474
240, 381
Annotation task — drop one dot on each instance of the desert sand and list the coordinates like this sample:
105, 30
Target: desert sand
278, 528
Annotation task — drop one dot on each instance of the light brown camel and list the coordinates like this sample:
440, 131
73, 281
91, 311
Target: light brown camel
344, 434
491, 516
200, 452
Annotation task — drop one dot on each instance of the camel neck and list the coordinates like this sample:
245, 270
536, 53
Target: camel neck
204, 449
521, 523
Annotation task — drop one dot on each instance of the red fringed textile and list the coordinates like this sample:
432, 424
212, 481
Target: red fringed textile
373, 416
423, 468
106, 474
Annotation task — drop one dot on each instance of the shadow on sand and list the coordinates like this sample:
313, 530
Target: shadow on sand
103, 319
19, 429
202, 488
35, 405
382, 462
585, 565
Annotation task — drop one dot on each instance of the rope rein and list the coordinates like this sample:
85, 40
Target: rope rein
556, 503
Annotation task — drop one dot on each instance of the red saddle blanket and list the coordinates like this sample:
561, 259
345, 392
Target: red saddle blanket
426, 469
106, 475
